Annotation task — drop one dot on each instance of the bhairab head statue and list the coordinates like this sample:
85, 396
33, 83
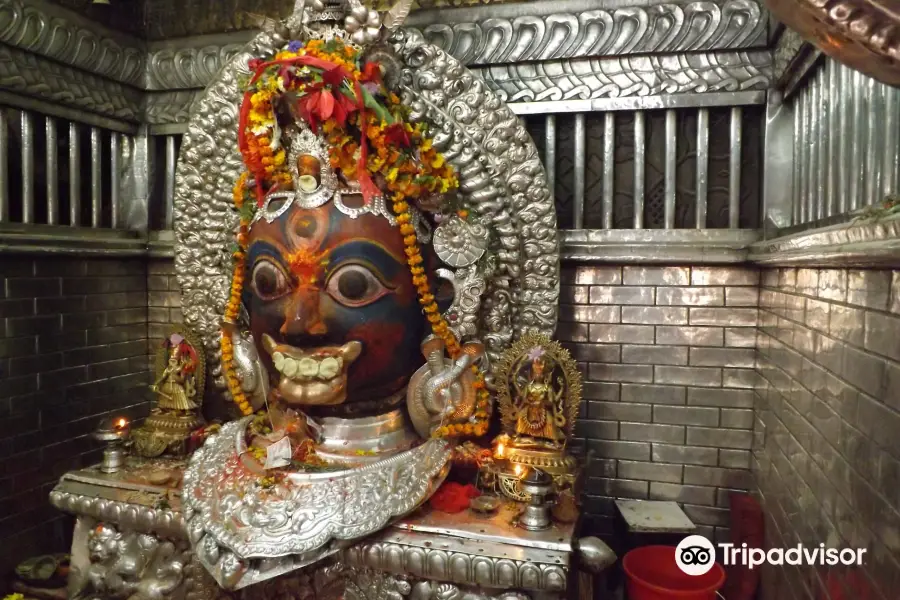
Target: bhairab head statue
331, 228
332, 178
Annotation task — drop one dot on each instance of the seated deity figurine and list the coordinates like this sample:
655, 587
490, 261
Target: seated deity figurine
539, 391
178, 386
377, 267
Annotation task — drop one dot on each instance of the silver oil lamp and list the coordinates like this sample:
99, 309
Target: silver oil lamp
114, 431
539, 486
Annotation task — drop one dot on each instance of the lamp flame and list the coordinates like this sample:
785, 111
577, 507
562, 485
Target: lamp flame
518, 470
501, 449
121, 423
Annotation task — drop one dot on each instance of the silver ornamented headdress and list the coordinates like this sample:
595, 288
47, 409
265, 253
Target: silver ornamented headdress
329, 188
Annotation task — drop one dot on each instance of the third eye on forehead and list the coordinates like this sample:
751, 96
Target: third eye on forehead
309, 170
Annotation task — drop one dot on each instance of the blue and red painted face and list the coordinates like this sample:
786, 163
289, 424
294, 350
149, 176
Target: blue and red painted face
332, 306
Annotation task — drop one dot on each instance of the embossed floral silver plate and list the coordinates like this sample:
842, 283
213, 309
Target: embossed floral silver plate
243, 530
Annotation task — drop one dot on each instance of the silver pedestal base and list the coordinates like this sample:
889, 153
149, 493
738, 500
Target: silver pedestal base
429, 555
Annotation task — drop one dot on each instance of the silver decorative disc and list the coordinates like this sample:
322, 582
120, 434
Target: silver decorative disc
459, 243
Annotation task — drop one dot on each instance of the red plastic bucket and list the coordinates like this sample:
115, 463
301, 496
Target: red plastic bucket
653, 575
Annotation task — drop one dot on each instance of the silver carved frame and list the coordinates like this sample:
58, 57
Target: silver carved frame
502, 181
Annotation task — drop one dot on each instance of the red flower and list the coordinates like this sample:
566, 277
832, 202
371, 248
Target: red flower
371, 72
254, 64
316, 106
396, 135
334, 76
343, 108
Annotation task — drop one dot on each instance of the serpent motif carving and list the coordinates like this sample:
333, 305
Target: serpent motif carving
45, 30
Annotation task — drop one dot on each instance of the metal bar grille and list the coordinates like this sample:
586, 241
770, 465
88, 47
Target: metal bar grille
550, 151
734, 171
639, 164
670, 149
27, 147
96, 174
578, 200
609, 158
52, 171
74, 174
171, 158
42, 179
4, 167
702, 166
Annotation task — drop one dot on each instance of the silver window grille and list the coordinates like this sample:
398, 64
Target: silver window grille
59, 172
678, 168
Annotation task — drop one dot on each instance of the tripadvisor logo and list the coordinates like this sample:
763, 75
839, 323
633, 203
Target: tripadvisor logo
695, 555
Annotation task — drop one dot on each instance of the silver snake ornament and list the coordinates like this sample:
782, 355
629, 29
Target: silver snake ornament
442, 390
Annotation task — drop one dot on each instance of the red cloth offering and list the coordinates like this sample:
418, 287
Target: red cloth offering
453, 497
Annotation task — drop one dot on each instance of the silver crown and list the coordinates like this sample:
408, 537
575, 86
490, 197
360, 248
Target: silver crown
330, 188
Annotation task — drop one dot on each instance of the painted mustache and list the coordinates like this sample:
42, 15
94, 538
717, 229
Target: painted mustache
312, 376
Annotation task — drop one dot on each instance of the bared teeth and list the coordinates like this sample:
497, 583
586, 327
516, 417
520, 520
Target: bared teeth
324, 363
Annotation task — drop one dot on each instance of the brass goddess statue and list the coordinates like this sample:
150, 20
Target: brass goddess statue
178, 385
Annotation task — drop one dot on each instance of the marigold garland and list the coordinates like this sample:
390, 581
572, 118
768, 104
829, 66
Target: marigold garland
233, 306
479, 424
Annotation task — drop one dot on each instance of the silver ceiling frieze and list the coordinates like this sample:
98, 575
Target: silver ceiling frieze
181, 67
617, 77
485, 36
29, 75
53, 32
527, 52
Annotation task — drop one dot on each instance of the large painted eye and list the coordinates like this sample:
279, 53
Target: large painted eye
354, 286
269, 281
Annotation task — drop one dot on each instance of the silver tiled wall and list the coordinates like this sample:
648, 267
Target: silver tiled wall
73, 348
827, 435
668, 358
163, 298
